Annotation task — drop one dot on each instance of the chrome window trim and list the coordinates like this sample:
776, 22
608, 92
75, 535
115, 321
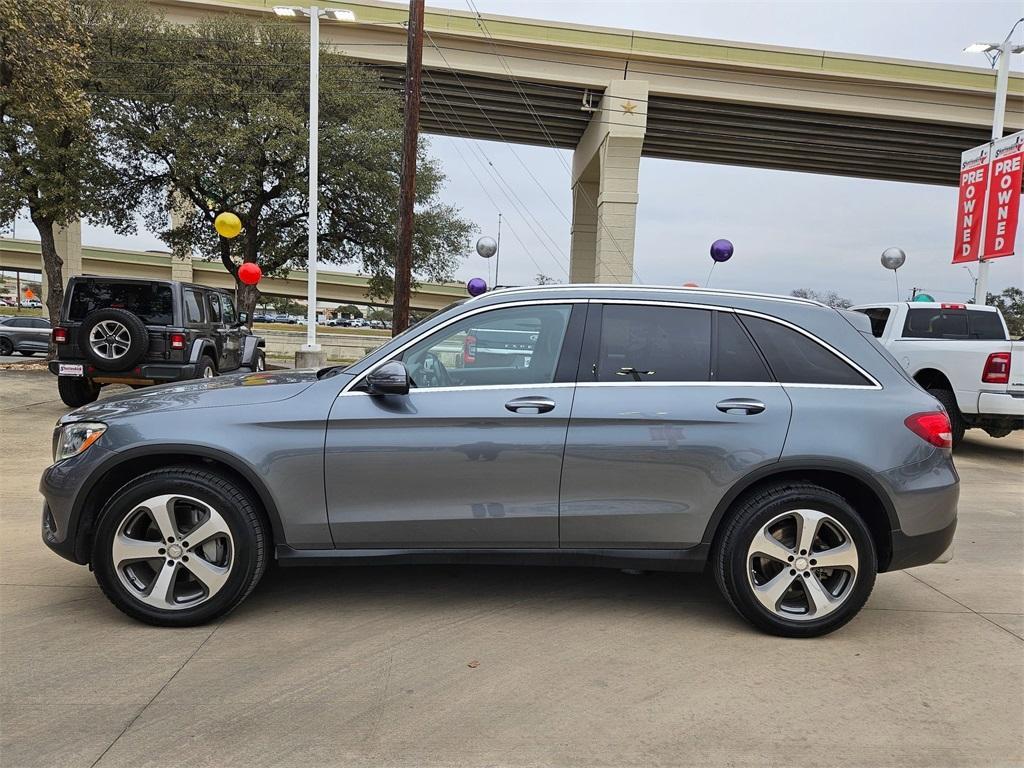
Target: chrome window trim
474, 388
450, 321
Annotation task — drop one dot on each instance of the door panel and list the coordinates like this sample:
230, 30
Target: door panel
446, 468
646, 464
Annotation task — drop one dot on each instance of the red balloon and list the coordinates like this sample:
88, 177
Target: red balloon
250, 273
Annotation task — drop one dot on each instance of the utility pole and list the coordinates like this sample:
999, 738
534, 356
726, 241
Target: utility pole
407, 199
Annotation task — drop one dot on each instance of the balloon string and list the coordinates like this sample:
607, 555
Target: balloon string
707, 283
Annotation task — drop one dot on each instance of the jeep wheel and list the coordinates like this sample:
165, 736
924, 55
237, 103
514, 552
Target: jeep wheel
205, 368
795, 560
179, 547
113, 339
77, 392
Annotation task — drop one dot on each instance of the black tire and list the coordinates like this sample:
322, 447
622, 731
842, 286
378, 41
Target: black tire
77, 392
26, 353
138, 339
205, 364
6, 346
259, 362
746, 520
956, 419
250, 549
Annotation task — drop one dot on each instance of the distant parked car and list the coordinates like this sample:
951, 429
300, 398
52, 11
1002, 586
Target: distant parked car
24, 335
262, 319
288, 319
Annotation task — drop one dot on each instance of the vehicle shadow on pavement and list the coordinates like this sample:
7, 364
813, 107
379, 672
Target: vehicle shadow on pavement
1002, 450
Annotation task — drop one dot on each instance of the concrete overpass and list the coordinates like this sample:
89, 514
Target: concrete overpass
616, 95
333, 287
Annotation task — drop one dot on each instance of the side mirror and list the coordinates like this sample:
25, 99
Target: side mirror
243, 319
392, 378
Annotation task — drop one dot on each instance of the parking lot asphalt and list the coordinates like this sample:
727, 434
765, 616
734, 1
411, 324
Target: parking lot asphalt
473, 666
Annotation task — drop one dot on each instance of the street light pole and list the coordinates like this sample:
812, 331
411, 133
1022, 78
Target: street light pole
314, 172
407, 194
998, 117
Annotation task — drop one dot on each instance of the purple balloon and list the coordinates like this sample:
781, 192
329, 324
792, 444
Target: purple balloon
476, 286
721, 250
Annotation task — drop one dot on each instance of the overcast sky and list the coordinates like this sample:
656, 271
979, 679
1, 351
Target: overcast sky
790, 229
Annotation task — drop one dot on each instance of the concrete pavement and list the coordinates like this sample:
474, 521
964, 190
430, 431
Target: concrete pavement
377, 665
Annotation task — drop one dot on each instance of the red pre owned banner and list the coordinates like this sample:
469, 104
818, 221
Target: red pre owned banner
1003, 200
974, 169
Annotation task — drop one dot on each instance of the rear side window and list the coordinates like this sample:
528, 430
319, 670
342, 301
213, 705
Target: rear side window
935, 323
737, 359
984, 325
657, 343
193, 310
153, 303
878, 316
796, 359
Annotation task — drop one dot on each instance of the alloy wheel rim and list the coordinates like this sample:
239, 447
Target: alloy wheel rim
110, 339
173, 552
802, 565
207, 372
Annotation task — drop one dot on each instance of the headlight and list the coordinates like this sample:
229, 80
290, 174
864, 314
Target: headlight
74, 438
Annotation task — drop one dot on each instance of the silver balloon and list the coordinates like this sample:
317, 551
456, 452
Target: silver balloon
893, 258
486, 247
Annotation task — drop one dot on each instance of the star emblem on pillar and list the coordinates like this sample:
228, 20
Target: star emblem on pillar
628, 107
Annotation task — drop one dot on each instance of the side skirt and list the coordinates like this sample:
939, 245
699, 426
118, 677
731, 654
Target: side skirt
691, 559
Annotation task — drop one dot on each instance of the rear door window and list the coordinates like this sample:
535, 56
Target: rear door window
228, 307
153, 303
797, 359
213, 307
193, 308
737, 358
654, 343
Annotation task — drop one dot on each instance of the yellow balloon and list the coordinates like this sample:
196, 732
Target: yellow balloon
227, 224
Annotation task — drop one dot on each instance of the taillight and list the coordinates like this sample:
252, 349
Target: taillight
933, 427
177, 341
60, 335
469, 350
997, 368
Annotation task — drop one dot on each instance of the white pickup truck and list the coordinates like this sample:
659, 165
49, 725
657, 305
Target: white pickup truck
962, 354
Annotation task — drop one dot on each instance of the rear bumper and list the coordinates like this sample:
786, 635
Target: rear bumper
1000, 404
910, 551
147, 373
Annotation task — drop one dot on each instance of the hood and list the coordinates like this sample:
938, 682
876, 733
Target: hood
236, 389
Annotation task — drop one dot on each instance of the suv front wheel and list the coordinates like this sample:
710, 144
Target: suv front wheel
179, 547
796, 560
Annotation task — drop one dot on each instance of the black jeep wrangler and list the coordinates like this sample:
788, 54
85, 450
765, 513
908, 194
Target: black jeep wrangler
138, 332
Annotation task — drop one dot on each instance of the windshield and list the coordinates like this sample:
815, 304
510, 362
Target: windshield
153, 303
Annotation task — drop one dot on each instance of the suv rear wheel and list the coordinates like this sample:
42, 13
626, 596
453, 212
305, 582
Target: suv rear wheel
796, 560
77, 392
179, 547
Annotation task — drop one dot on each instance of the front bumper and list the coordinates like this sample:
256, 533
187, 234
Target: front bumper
147, 373
64, 487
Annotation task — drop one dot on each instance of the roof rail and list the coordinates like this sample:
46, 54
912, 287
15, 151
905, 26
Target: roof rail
673, 288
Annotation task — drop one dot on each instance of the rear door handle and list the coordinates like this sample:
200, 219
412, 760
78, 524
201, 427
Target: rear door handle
530, 403
740, 405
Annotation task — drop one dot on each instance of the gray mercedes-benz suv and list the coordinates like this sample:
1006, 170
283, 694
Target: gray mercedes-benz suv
767, 439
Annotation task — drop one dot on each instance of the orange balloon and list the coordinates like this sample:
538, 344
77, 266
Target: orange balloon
29, 293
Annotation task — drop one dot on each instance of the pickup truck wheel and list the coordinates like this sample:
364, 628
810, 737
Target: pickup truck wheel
77, 392
796, 560
956, 419
205, 369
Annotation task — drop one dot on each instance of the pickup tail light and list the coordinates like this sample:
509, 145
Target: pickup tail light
60, 335
469, 350
997, 369
177, 341
932, 427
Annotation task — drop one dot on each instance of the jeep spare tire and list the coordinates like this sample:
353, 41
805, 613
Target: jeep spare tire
113, 339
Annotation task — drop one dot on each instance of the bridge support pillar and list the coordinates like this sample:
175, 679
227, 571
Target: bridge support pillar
69, 247
605, 175
181, 256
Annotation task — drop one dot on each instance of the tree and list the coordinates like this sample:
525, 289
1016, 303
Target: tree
48, 156
377, 313
542, 279
1011, 303
349, 310
218, 111
830, 298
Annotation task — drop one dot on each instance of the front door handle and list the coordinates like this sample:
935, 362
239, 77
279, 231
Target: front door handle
740, 405
530, 403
